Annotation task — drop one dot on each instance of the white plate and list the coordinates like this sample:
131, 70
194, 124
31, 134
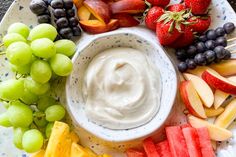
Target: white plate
19, 12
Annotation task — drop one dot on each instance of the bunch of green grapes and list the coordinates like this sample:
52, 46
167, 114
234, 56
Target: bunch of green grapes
36, 57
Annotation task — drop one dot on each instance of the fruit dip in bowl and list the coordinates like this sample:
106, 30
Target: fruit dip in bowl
122, 86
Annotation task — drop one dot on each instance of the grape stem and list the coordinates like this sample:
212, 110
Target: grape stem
2, 100
20, 76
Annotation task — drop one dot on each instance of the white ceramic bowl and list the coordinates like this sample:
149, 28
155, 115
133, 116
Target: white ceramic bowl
82, 58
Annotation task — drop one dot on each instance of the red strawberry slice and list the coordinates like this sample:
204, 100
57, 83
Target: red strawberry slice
150, 148
178, 147
162, 3
192, 141
134, 153
126, 20
198, 7
205, 142
163, 149
152, 16
176, 7
200, 24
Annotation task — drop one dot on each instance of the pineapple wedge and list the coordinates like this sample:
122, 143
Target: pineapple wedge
38, 154
211, 112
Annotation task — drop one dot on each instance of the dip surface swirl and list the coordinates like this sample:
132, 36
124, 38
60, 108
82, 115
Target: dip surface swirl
121, 89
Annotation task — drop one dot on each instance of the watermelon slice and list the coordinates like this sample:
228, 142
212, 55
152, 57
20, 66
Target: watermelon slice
205, 142
176, 141
163, 149
134, 153
150, 148
192, 141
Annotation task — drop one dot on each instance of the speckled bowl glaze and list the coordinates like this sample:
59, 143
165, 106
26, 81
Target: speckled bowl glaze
81, 60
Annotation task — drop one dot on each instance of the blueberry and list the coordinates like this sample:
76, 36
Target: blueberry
210, 56
201, 47
203, 38
44, 19
220, 31
57, 4
70, 13
182, 66
211, 34
38, 7
191, 50
221, 41
181, 54
220, 52
73, 21
210, 44
76, 31
227, 55
191, 64
66, 33
229, 27
200, 59
62, 22
59, 13
68, 4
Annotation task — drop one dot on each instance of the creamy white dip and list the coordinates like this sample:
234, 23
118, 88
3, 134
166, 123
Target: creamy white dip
121, 89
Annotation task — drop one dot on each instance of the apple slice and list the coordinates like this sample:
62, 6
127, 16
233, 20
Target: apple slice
126, 20
225, 68
96, 26
232, 78
220, 97
191, 99
212, 112
228, 116
128, 6
83, 13
99, 9
216, 133
198, 71
202, 88
217, 81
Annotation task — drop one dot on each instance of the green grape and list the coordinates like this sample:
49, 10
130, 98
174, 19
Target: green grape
39, 119
24, 69
35, 87
29, 97
40, 71
43, 31
49, 129
66, 47
11, 89
11, 38
32, 140
19, 53
55, 113
43, 48
17, 136
4, 121
44, 102
61, 65
19, 28
19, 114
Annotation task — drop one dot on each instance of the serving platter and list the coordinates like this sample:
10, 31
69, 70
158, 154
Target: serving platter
19, 12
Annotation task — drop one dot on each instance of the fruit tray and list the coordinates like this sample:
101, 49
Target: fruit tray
19, 12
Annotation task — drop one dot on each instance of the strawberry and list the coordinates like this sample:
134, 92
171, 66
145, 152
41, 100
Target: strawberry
185, 39
152, 16
198, 7
176, 7
200, 24
162, 3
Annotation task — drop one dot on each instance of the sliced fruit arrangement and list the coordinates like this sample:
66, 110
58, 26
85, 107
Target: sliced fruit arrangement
184, 140
37, 61
99, 16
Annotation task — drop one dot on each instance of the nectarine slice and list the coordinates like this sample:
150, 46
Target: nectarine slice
202, 88
126, 20
128, 6
83, 13
225, 68
216, 133
99, 9
212, 112
220, 97
228, 116
191, 99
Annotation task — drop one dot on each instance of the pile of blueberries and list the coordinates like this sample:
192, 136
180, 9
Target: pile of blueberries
206, 49
63, 13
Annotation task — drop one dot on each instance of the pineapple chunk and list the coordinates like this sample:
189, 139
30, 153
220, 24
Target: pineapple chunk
220, 97
74, 137
211, 112
228, 116
78, 151
90, 152
39, 154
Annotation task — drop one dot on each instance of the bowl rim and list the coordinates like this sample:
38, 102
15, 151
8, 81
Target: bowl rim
125, 138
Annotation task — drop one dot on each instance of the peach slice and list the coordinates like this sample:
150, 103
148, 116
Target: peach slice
216, 133
225, 68
78, 3
191, 99
83, 13
217, 81
99, 9
228, 116
212, 112
198, 71
202, 88
220, 97
96, 26
126, 20
128, 6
